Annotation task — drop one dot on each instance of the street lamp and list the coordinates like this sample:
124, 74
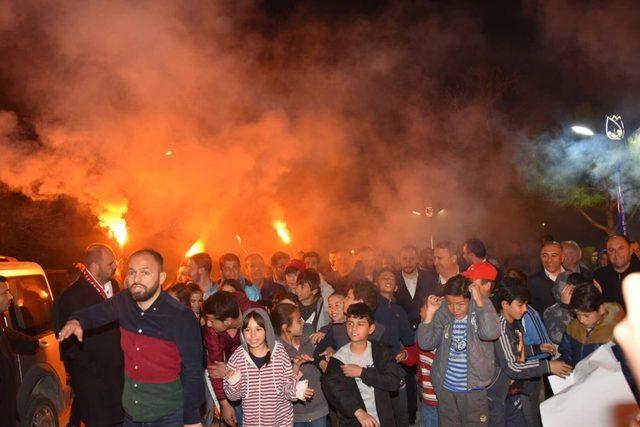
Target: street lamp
582, 130
614, 129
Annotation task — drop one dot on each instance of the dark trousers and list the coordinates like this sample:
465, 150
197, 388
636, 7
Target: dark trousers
412, 391
172, 420
507, 413
399, 405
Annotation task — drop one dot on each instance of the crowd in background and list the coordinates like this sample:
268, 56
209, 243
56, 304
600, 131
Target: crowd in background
447, 336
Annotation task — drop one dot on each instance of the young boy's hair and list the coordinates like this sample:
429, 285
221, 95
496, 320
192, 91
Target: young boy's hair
360, 310
367, 292
383, 270
311, 277
234, 283
458, 286
282, 315
221, 305
337, 294
586, 299
512, 289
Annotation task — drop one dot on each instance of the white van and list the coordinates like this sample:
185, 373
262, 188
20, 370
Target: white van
43, 393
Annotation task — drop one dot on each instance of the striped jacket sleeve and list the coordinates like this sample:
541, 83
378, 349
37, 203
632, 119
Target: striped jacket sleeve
509, 362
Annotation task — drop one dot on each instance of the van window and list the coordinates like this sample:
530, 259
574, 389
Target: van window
31, 309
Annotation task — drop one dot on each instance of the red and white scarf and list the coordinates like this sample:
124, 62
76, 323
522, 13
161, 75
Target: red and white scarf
98, 287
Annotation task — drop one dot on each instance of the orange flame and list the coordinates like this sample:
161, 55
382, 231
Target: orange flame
196, 248
282, 231
112, 219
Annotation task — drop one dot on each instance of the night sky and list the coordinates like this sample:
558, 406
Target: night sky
339, 117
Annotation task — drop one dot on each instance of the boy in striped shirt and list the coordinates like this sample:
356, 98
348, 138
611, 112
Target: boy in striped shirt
462, 331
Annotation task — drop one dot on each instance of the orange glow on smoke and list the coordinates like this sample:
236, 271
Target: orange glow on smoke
196, 248
282, 231
112, 219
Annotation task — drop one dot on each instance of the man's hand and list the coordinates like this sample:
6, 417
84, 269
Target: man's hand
217, 370
316, 337
71, 328
323, 365
547, 347
228, 413
559, 368
365, 419
351, 370
567, 292
476, 295
433, 304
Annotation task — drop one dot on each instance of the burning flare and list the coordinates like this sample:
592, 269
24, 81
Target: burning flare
112, 219
281, 229
196, 248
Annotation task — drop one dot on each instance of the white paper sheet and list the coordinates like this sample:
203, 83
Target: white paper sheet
598, 388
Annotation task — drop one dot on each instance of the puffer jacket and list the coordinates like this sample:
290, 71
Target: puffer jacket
578, 343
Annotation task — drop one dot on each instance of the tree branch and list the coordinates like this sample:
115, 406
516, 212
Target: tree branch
594, 222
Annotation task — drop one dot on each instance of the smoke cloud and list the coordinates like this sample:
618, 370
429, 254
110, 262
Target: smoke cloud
207, 120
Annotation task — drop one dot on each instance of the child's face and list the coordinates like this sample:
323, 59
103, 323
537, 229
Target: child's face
254, 335
589, 319
303, 291
195, 301
516, 309
218, 325
386, 283
359, 329
348, 300
291, 278
297, 324
457, 305
336, 311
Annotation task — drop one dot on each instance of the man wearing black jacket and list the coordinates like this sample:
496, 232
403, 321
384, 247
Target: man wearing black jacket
622, 262
95, 365
11, 342
541, 284
414, 286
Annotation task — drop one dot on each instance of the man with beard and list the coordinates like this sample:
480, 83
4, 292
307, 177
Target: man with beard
94, 365
414, 285
621, 264
161, 342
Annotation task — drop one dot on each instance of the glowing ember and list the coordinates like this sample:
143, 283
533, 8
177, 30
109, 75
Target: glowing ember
281, 229
169, 153
112, 219
196, 248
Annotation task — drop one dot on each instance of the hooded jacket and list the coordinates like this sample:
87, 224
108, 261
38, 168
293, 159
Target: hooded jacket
267, 393
317, 407
558, 316
577, 342
482, 328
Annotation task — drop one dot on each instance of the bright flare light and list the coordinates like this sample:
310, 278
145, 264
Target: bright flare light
196, 248
112, 219
281, 229
582, 130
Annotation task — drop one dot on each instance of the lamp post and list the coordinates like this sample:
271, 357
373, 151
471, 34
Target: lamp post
614, 129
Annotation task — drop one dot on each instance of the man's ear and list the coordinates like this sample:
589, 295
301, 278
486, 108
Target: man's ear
455, 258
163, 277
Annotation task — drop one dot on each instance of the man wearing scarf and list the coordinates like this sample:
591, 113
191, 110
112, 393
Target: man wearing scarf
95, 365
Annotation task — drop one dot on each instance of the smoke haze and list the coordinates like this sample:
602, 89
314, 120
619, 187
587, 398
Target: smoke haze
340, 124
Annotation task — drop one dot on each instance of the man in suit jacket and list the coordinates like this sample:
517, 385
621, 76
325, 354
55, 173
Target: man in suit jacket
414, 285
96, 364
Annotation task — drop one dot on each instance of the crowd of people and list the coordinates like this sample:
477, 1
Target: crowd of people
446, 336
